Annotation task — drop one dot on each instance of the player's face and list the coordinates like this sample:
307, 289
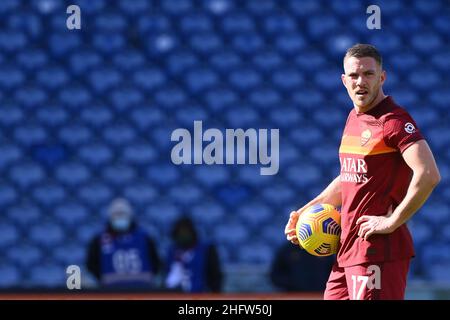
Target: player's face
363, 79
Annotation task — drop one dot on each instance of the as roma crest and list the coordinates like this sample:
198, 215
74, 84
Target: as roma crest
365, 136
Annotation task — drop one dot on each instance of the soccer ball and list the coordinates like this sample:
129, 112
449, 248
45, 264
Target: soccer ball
318, 230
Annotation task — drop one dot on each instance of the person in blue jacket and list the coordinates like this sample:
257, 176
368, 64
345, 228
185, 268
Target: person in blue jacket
192, 265
123, 255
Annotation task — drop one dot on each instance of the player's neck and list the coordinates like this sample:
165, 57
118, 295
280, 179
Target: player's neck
374, 103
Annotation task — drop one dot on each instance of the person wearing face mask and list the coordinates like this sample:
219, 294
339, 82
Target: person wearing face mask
123, 255
192, 265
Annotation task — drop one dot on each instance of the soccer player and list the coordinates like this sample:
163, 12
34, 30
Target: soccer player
387, 173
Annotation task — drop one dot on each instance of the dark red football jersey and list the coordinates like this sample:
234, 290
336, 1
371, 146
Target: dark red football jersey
374, 177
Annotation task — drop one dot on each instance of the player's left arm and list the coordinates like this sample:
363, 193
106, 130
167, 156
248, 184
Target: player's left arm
425, 177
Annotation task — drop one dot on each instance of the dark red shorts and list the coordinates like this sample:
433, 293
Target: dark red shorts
369, 281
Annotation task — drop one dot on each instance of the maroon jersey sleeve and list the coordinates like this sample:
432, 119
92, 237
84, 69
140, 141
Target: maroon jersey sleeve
401, 131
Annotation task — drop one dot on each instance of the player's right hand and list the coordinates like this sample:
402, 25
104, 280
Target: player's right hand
289, 230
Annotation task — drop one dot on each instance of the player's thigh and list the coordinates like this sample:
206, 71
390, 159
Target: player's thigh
336, 288
377, 281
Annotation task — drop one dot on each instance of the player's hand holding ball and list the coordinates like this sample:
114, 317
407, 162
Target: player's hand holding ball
289, 230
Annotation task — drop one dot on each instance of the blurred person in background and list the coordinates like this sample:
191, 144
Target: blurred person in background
123, 255
192, 265
294, 269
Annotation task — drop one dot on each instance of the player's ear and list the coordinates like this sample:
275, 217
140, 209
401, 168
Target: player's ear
383, 77
343, 80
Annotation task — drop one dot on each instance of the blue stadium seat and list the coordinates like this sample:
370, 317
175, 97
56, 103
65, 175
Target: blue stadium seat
438, 273
74, 97
82, 61
247, 43
110, 22
134, 7
49, 194
255, 214
9, 277
119, 134
346, 9
407, 23
11, 77
63, 43
12, 41
72, 174
304, 174
52, 78
95, 154
231, 234
441, 60
179, 62
225, 60
274, 234
424, 79
149, 78
52, 116
31, 59
86, 232
195, 22
279, 23
9, 154
48, 275
309, 98
243, 117
178, 7
9, 235
436, 212
108, 42
199, 80
286, 117
170, 97
185, 194
191, 113
267, 60
122, 99
425, 41
26, 174
426, 8
70, 254
258, 253
304, 8
205, 43
289, 154
338, 43
329, 79
119, 174
129, 60
220, 98
97, 116
208, 214
71, 214
30, 134
287, 79
211, 176
237, 23
233, 195
145, 117
440, 97
139, 153
278, 194
24, 214
153, 23
260, 7
386, 42
163, 214
95, 194
30, 97
439, 136
310, 60
306, 135
47, 234
12, 115
104, 79
244, 79
441, 23
420, 232
321, 25
403, 61
75, 134
24, 255
290, 44
141, 193
326, 154
264, 98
